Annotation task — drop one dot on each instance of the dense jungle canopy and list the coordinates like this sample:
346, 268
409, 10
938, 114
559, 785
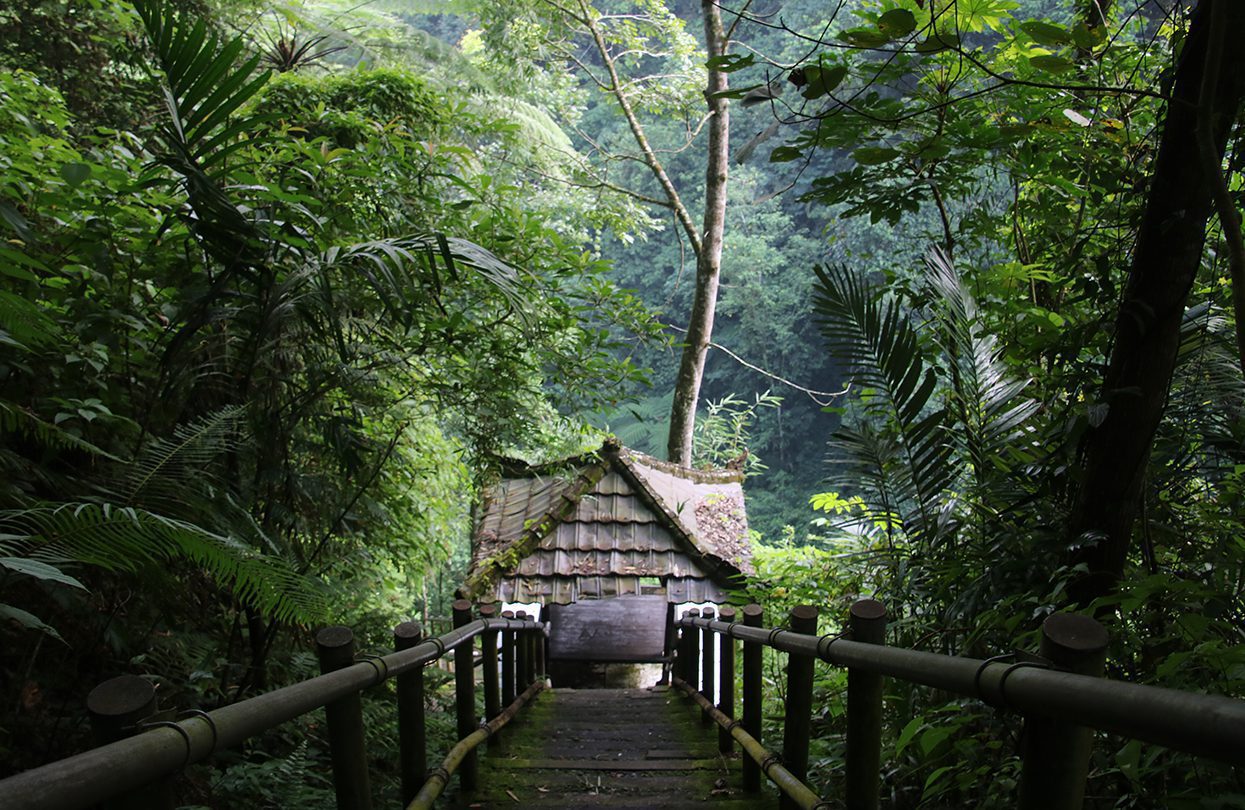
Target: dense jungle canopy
960, 284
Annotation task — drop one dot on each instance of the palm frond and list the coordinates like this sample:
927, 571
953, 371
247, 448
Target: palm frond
388, 264
203, 88
872, 334
991, 413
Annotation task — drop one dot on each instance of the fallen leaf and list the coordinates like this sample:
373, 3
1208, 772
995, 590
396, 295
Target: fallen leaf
510, 793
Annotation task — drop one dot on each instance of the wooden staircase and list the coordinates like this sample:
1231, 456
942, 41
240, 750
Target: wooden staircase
617, 748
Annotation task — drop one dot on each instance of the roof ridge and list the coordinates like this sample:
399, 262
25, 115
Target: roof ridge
712, 476
718, 565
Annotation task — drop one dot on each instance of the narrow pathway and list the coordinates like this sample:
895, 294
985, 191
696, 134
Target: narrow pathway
618, 748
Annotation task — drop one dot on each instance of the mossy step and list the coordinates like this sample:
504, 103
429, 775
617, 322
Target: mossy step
610, 764
610, 747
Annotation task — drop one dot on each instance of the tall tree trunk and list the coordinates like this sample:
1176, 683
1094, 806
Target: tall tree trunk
709, 258
1165, 262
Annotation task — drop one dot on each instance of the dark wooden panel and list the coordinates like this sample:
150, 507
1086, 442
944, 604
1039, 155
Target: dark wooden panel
626, 629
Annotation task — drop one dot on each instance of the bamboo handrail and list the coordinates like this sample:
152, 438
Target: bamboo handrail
768, 761
112, 770
1212, 726
438, 778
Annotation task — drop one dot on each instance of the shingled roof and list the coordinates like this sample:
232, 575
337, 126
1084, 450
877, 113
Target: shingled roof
605, 523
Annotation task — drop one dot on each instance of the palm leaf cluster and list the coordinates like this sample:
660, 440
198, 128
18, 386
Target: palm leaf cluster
938, 439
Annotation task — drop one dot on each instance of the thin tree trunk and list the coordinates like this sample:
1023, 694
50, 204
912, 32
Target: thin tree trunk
709, 259
1165, 262
637, 131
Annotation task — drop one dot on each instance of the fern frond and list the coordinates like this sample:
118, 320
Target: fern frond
387, 265
127, 538
14, 419
165, 464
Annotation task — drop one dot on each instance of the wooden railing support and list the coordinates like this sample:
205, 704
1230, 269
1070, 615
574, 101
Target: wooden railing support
412, 722
116, 706
464, 694
685, 652
863, 760
707, 669
522, 657
693, 650
507, 662
751, 721
726, 680
1055, 754
798, 722
488, 670
541, 640
529, 676
670, 646
347, 750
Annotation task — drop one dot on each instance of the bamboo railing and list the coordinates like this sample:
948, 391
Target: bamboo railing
140, 753
1059, 692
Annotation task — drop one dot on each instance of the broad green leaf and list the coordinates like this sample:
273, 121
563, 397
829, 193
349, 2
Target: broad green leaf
874, 155
1046, 33
822, 80
28, 620
39, 570
935, 777
731, 62
1088, 38
783, 154
1052, 63
898, 22
908, 733
16, 221
75, 174
938, 42
864, 37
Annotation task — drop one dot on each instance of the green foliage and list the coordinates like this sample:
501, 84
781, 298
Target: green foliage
723, 434
353, 107
250, 372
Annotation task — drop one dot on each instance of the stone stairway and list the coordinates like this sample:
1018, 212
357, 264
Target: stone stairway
617, 748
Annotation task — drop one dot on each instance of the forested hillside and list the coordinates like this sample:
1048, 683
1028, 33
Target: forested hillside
282, 285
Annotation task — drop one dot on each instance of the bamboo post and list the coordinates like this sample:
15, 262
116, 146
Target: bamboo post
116, 706
726, 680
1055, 755
798, 723
347, 749
753, 616
507, 662
522, 650
412, 722
706, 665
867, 621
464, 694
488, 671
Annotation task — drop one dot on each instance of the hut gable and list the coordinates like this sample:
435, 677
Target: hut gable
615, 523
